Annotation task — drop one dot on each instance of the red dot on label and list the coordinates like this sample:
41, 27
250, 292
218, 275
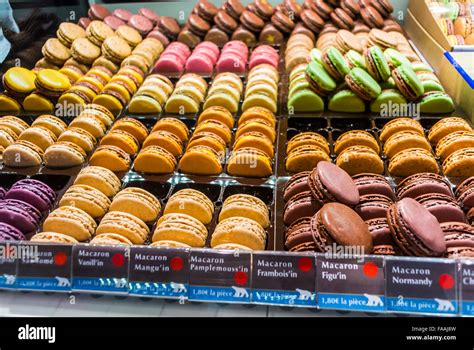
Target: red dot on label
60, 259
305, 264
446, 281
370, 269
240, 278
118, 260
177, 263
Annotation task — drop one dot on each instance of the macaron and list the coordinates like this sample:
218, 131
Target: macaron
372, 206
15, 124
21, 215
64, 154
41, 137
52, 123
170, 244
249, 162
411, 161
133, 126
80, 137
415, 230
99, 178
465, 192
381, 237
97, 32
423, 183
55, 52
386, 97
239, 230
121, 139
87, 198
68, 32
346, 101
191, 202
34, 192
360, 159
300, 205
111, 157
174, 126
296, 184
459, 239
53, 237
436, 102
405, 140
453, 142
445, 208
70, 221
201, 160
298, 236
138, 202
51, 82
84, 51
362, 84
400, 124
408, 82
113, 239
373, 184
244, 205
459, 163
305, 158
376, 63
355, 138
155, 160
334, 63
181, 228
446, 126
320, 81
7, 136
22, 154
124, 224
336, 223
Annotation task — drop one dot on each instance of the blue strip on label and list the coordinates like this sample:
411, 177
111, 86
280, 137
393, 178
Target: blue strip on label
460, 69
364, 302
230, 294
283, 297
169, 290
56, 284
8, 281
117, 285
431, 306
467, 308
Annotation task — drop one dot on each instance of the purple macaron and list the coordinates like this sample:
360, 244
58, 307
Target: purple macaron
423, 183
2, 192
459, 239
33, 192
19, 214
296, 184
10, 233
381, 237
465, 192
373, 206
373, 184
301, 205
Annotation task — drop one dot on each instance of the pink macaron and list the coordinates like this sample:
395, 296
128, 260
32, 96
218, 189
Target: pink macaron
179, 47
142, 24
150, 14
262, 58
199, 63
168, 64
122, 14
230, 64
113, 22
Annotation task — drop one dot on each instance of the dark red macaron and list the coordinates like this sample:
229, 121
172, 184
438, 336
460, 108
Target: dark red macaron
381, 237
169, 27
296, 184
459, 239
373, 184
422, 183
283, 22
372, 206
443, 207
338, 224
371, 17
329, 183
465, 192
299, 206
415, 230
84, 22
341, 19
299, 238
312, 20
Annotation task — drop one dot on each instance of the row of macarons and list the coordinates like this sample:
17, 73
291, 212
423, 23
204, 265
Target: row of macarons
326, 206
126, 215
405, 146
206, 56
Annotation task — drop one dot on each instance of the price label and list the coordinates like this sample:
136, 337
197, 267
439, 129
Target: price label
45, 267
221, 276
421, 285
350, 283
466, 278
283, 279
158, 272
8, 265
100, 268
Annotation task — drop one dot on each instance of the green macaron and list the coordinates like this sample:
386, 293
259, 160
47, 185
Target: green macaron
346, 101
316, 56
421, 67
305, 100
436, 102
376, 63
395, 58
387, 98
320, 80
389, 84
408, 82
335, 63
355, 59
362, 84
432, 85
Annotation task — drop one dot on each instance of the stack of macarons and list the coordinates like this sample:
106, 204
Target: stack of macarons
173, 59
194, 30
225, 91
162, 147
188, 94
233, 58
166, 30
185, 218
357, 152
22, 208
453, 140
301, 97
203, 58
261, 89
243, 221
305, 150
253, 152
207, 147
297, 51
406, 147
152, 95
